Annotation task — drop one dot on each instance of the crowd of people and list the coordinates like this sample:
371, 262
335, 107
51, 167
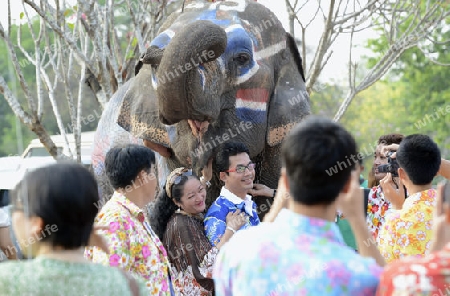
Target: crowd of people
397, 241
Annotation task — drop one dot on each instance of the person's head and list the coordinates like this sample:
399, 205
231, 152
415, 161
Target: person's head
380, 158
419, 159
317, 157
54, 205
183, 191
235, 167
131, 168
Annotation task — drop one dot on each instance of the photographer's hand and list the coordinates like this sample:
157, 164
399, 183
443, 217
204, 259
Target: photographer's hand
386, 149
395, 196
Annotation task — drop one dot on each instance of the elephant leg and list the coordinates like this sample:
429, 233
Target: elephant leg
270, 168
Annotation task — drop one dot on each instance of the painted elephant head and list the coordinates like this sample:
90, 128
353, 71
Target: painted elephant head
224, 71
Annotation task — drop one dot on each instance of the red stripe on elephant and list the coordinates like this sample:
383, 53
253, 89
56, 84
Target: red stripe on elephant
260, 95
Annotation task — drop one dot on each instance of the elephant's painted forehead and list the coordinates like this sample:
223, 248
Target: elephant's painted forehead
224, 15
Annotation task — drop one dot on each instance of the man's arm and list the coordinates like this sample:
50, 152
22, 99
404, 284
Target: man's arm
6, 244
352, 203
444, 169
280, 202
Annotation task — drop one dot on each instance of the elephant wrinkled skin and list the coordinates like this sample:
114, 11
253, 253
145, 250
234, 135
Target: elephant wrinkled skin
216, 72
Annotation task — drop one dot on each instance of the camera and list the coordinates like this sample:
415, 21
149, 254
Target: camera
390, 167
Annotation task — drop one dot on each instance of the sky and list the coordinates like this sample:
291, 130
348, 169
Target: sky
336, 68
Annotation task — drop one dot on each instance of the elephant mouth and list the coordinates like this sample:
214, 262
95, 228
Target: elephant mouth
198, 128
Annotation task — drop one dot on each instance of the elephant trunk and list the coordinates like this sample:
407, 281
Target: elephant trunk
182, 73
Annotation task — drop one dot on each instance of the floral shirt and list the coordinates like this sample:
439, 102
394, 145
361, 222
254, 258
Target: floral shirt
377, 210
133, 245
294, 255
191, 255
408, 231
428, 275
49, 277
215, 218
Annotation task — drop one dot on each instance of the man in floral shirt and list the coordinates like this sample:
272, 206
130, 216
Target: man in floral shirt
427, 275
133, 246
302, 252
407, 231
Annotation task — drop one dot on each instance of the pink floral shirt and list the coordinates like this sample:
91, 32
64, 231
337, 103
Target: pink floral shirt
133, 245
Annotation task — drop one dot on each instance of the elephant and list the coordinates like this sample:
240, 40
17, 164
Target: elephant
216, 72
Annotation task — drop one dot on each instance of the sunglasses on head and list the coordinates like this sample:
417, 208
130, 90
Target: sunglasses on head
240, 168
177, 177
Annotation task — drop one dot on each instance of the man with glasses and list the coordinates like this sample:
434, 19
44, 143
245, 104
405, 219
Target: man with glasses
237, 172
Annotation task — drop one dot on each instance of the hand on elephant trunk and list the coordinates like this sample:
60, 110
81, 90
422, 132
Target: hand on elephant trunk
163, 151
261, 190
207, 171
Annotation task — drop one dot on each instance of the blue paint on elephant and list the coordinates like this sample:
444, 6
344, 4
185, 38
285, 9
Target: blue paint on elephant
172, 132
254, 116
239, 42
210, 15
161, 40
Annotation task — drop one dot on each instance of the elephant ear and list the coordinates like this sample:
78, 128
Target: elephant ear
290, 101
139, 113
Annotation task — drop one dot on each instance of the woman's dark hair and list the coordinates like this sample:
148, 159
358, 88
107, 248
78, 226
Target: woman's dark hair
123, 164
165, 207
390, 139
65, 196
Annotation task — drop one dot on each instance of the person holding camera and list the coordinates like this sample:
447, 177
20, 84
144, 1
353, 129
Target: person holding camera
377, 206
407, 231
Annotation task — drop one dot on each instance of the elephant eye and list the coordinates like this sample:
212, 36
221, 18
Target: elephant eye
242, 58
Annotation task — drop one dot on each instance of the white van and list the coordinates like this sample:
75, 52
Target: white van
36, 149
13, 168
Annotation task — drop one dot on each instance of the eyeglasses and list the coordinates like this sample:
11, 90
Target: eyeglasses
240, 168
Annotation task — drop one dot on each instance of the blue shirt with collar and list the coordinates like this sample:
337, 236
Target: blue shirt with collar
215, 219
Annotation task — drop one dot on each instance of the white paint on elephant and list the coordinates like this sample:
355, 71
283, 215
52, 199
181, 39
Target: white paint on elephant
154, 83
256, 106
195, 5
233, 27
270, 51
163, 169
169, 33
248, 75
221, 64
202, 74
240, 7
213, 6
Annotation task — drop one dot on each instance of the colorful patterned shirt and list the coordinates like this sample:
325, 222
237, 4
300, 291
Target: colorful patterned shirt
133, 245
378, 209
408, 231
190, 254
294, 255
44, 276
429, 275
215, 219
